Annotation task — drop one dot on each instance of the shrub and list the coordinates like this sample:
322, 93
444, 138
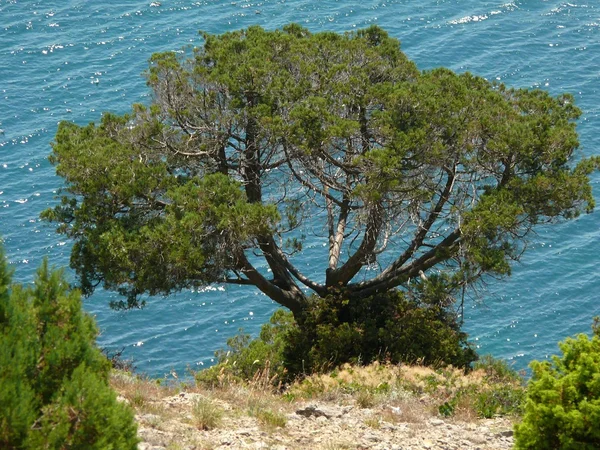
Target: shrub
55, 391
502, 391
563, 398
387, 327
497, 370
333, 331
499, 399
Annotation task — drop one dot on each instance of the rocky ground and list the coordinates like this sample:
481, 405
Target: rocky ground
246, 417
320, 426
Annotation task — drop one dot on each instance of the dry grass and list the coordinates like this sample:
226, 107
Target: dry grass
367, 387
366, 399
420, 390
246, 399
397, 395
142, 388
256, 399
144, 395
407, 411
206, 413
270, 419
268, 409
373, 422
337, 446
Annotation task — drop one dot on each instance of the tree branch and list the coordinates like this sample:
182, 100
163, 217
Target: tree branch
336, 237
351, 267
441, 252
288, 299
417, 241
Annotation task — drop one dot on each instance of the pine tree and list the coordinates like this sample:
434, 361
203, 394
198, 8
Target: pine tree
563, 398
54, 391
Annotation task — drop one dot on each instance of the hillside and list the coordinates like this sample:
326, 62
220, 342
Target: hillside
377, 407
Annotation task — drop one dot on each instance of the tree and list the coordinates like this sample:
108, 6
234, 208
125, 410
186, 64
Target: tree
563, 398
419, 181
55, 391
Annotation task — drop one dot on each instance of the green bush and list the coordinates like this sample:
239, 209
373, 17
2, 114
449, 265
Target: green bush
500, 391
387, 327
54, 381
333, 331
563, 398
500, 399
503, 388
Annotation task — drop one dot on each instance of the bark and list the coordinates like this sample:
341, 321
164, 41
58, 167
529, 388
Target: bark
342, 275
293, 300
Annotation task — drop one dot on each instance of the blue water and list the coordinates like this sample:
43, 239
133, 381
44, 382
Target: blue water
71, 60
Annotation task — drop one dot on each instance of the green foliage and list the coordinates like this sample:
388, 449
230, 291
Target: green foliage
332, 332
256, 132
485, 400
425, 182
188, 243
503, 398
504, 393
563, 398
390, 327
54, 380
85, 415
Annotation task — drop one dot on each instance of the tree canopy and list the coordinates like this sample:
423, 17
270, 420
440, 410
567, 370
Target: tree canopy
257, 139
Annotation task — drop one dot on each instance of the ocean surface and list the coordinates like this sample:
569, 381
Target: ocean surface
74, 59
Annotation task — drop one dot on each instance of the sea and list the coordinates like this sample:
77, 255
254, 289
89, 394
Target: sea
74, 59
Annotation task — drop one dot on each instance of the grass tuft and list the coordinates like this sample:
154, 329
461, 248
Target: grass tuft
206, 413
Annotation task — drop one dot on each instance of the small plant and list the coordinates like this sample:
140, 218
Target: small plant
260, 408
207, 415
432, 383
137, 398
484, 400
312, 387
373, 422
257, 360
447, 409
365, 399
500, 399
270, 418
383, 388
